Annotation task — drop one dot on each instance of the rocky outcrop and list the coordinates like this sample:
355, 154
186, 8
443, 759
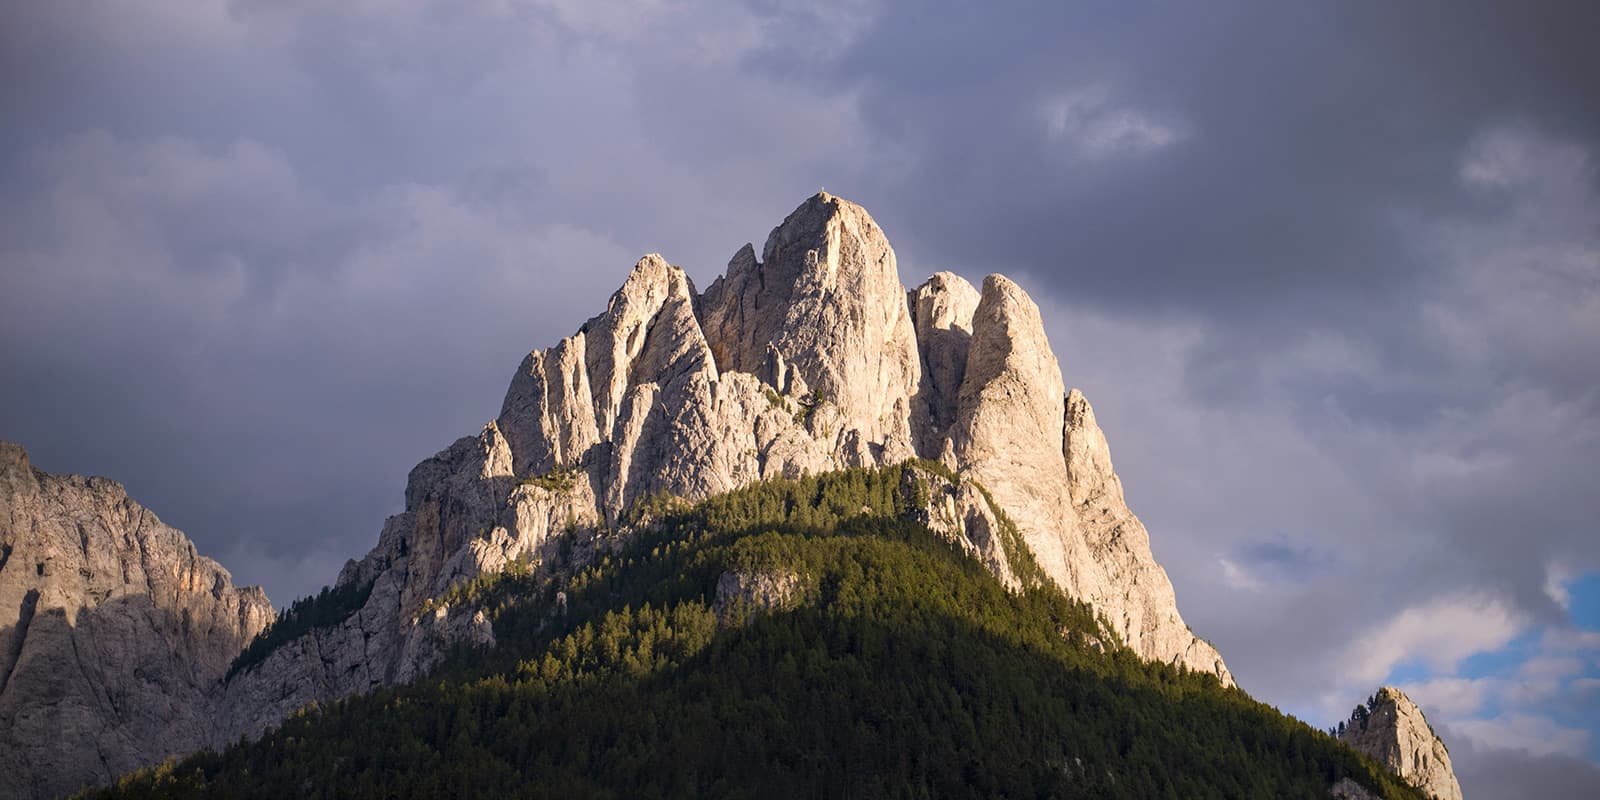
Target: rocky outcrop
1114, 570
943, 308
120, 637
1347, 789
824, 304
742, 593
1392, 730
465, 515
810, 358
960, 511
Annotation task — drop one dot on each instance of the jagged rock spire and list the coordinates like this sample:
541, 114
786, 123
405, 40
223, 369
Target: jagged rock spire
1393, 730
826, 299
811, 358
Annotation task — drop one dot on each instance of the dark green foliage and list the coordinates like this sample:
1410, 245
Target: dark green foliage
809, 405
487, 590
559, 480
907, 671
776, 401
324, 610
1018, 554
1361, 715
938, 468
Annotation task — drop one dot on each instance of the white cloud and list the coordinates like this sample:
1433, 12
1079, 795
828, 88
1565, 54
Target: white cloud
1449, 698
1440, 633
1238, 577
1550, 667
1089, 122
1556, 577
1531, 734
1519, 710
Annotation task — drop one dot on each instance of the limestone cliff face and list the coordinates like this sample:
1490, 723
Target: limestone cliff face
116, 636
1395, 733
811, 358
825, 305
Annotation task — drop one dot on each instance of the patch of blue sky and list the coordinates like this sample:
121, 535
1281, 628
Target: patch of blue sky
1584, 601
1308, 714
1574, 699
1278, 558
1581, 702
1413, 671
1504, 661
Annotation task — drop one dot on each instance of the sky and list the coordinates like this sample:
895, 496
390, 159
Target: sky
1330, 274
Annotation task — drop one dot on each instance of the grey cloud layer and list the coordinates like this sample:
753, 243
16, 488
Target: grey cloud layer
1329, 273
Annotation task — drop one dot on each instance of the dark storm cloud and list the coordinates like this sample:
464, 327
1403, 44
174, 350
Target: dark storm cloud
1309, 140
1279, 175
1313, 131
258, 362
1326, 270
1512, 775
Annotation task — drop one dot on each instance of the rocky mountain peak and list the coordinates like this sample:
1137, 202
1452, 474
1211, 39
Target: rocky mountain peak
1089, 473
826, 302
812, 358
121, 636
1392, 729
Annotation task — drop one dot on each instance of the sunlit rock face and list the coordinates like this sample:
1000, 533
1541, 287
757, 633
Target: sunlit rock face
116, 633
1395, 733
809, 357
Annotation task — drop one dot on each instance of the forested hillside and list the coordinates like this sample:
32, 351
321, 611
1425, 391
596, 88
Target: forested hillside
877, 660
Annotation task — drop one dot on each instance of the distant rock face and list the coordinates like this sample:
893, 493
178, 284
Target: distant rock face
1347, 789
811, 358
740, 593
1397, 735
116, 637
